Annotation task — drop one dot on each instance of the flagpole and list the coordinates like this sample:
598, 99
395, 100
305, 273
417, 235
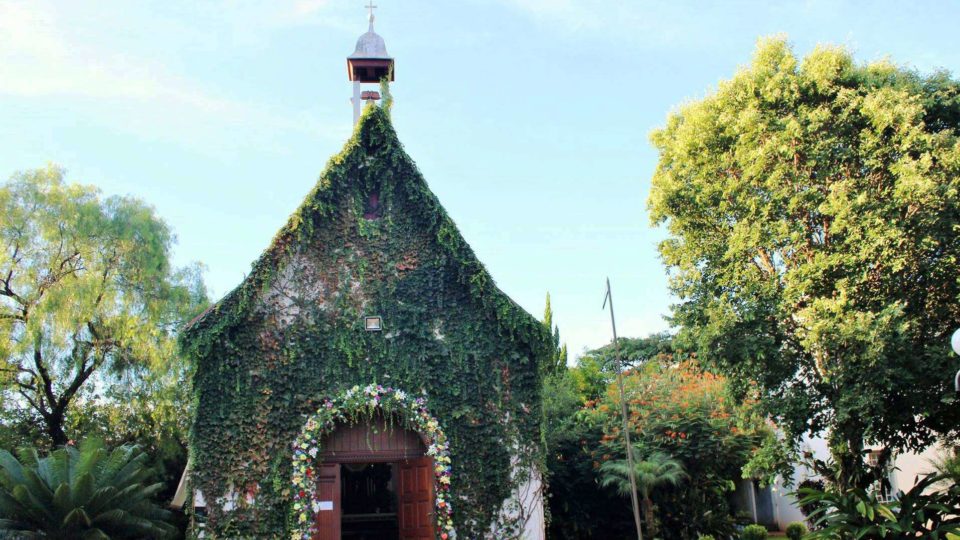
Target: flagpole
631, 472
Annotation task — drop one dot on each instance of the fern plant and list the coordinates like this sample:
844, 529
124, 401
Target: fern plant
87, 493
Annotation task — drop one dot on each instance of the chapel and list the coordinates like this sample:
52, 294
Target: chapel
367, 380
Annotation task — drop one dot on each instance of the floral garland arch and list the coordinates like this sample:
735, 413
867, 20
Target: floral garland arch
350, 407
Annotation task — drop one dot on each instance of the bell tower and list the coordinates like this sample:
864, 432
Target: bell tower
368, 64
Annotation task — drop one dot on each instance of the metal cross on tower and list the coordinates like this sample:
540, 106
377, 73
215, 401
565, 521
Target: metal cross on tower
371, 7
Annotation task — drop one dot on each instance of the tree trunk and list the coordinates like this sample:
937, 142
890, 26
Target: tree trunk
648, 517
846, 448
55, 430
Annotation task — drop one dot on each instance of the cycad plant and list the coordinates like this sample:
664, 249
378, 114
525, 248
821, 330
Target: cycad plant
658, 469
85, 493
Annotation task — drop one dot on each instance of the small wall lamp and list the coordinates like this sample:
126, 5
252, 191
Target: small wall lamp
373, 323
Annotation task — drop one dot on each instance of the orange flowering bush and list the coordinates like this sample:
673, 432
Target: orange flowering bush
681, 410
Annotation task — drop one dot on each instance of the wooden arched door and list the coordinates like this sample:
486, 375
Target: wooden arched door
376, 443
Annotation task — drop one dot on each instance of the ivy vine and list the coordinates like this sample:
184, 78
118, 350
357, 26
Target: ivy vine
370, 238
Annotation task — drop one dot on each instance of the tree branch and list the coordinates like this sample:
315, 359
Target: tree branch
766, 263
18, 370
43, 412
57, 275
83, 373
8, 292
43, 373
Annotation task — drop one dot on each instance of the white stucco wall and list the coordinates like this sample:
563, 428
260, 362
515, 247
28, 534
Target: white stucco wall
524, 507
910, 466
907, 467
785, 507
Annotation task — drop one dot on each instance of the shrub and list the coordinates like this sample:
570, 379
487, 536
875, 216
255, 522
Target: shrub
809, 507
796, 530
705, 537
85, 493
754, 532
921, 512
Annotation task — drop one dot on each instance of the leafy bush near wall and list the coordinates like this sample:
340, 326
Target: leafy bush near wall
809, 507
370, 239
754, 532
927, 510
796, 530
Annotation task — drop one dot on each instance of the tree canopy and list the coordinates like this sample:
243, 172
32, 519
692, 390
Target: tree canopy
87, 293
813, 216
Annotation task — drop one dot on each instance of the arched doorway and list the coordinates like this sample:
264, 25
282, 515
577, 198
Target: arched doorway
359, 431
375, 483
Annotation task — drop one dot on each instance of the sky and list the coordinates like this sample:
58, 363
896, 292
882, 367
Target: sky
530, 119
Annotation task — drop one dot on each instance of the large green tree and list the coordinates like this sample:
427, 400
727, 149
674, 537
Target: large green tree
813, 216
634, 352
89, 302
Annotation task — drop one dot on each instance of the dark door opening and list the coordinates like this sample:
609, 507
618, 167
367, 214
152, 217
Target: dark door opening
374, 483
369, 502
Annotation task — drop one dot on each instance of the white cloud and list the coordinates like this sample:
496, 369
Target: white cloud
309, 7
39, 58
37, 61
626, 24
342, 16
572, 14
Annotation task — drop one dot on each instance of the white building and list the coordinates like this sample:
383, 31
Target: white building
776, 507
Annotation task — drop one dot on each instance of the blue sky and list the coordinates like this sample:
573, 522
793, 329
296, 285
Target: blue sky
529, 118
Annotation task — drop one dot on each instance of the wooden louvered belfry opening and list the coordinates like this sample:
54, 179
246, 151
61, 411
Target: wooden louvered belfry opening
375, 483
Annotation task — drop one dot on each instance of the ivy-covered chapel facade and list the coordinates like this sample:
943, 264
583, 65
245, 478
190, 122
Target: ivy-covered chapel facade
293, 357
